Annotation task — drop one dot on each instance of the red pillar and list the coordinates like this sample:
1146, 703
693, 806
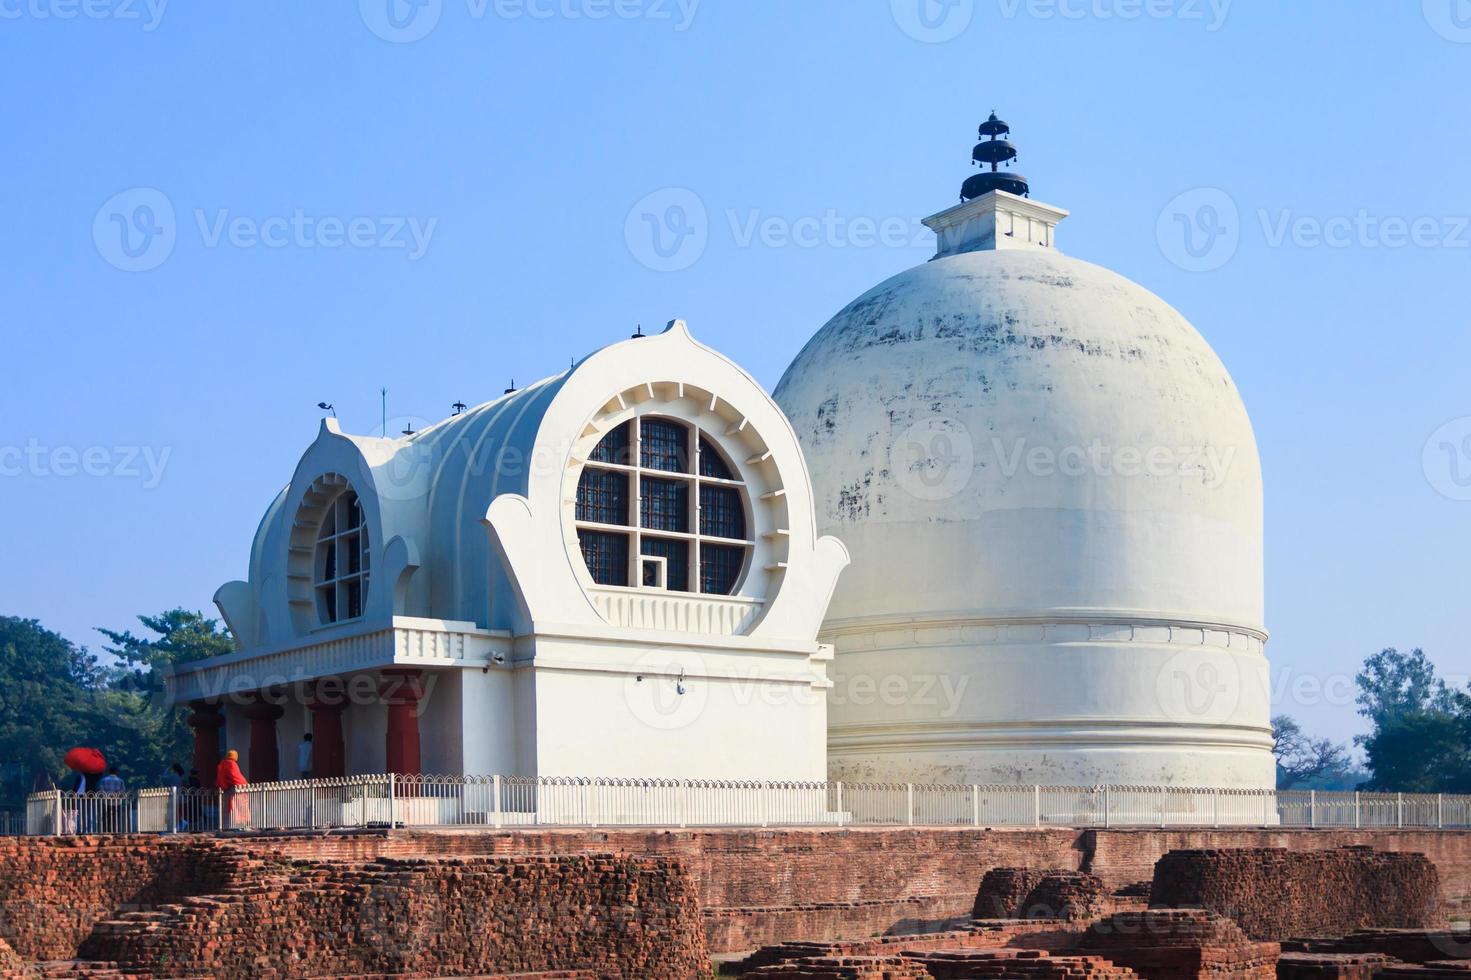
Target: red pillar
206, 719
327, 702
265, 755
401, 691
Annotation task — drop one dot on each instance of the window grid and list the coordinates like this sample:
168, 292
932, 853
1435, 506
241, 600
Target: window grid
606, 554
602, 496
722, 515
720, 567
673, 492
676, 554
343, 561
712, 463
663, 445
664, 505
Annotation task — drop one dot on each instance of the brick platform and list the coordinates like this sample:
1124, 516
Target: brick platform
846, 968
1436, 970
1274, 893
785, 873
1178, 944
53, 890
1407, 945
1020, 965
615, 916
1330, 966
754, 887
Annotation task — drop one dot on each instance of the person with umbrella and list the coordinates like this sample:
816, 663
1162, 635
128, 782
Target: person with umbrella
89, 764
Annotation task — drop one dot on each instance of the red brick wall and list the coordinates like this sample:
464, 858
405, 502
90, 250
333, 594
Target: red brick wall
755, 886
766, 868
52, 890
1274, 893
616, 916
1123, 856
735, 929
860, 874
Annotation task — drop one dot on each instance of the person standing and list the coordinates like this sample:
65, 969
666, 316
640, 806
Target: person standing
112, 788
230, 780
173, 780
304, 756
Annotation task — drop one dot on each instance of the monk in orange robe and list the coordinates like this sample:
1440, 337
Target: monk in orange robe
229, 779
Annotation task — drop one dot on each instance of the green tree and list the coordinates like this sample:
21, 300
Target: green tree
1394, 683
1421, 739
48, 687
149, 733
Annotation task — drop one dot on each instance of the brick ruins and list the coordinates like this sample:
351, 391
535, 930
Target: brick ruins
906, 904
1026, 893
1274, 893
172, 907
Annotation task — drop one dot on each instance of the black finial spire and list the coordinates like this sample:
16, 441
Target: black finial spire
994, 150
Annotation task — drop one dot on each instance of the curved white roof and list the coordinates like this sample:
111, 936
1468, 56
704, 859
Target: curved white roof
943, 414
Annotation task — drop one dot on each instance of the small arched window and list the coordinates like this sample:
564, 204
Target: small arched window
659, 506
340, 581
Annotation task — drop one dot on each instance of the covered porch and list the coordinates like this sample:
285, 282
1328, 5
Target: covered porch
376, 697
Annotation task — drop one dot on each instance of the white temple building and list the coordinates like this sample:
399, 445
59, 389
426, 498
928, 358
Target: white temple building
612, 572
1044, 477
1052, 497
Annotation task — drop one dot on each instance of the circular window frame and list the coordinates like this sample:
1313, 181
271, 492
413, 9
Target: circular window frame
741, 450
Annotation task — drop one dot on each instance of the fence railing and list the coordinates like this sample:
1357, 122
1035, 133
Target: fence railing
523, 801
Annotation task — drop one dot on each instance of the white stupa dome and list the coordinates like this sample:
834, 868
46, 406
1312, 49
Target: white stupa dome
1051, 493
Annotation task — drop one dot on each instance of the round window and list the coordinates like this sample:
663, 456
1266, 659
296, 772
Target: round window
659, 506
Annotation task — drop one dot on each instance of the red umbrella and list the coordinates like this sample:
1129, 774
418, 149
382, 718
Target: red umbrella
88, 762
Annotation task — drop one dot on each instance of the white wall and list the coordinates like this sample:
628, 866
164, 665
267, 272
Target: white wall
613, 724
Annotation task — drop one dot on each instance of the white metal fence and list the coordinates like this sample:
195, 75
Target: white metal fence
517, 801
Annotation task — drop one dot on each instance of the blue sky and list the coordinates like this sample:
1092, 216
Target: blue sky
438, 199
